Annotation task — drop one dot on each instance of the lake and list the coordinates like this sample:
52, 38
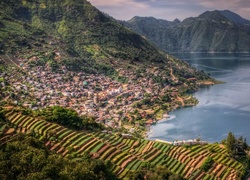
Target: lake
222, 108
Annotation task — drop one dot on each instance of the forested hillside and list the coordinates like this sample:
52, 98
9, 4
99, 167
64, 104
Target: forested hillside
75, 26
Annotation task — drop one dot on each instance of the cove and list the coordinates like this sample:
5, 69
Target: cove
222, 108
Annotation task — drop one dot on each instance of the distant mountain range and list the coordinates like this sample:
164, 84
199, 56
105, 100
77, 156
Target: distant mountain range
212, 31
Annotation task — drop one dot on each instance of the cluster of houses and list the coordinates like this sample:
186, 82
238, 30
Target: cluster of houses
93, 94
184, 142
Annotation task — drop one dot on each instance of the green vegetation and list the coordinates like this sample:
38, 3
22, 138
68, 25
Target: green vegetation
1, 114
235, 147
68, 118
207, 164
159, 173
128, 157
77, 29
25, 157
230, 143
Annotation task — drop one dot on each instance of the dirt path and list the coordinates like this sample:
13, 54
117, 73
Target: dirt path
180, 99
222, 146
6, 58
172, 75
206, 83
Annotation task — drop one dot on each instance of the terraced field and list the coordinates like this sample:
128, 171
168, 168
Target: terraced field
130, 154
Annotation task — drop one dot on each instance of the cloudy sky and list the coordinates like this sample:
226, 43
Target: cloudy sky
169, 9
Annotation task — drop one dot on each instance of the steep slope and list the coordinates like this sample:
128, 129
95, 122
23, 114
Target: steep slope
152, 24
76, 26
126, 155
67, 53
235, 17
151, 28
216, 31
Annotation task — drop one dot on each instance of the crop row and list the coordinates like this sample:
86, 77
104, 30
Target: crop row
129, 154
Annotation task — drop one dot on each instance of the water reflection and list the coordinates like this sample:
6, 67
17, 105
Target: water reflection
222, 108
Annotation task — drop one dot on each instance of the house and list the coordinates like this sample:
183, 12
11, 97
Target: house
127, 136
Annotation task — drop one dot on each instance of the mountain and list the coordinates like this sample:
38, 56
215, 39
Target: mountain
235, 17
69, 53
150, 28
74, 26
212, 31
152, 22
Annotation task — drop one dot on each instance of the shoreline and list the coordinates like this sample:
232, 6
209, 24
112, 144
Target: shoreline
209, 82
232, 92
165, 115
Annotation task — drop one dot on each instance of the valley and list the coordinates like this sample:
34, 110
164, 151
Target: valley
79, 91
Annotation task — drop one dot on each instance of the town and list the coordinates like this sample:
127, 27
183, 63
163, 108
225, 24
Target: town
109, 101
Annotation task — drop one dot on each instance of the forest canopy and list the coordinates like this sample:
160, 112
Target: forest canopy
27, 158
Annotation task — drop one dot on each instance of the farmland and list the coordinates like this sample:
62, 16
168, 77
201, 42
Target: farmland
127, 154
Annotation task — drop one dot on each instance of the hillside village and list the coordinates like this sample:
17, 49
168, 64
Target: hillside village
93, 94
111, 102
152, 82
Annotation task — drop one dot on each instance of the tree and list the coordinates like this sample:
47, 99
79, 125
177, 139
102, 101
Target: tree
159, 173
27, 158
68, 118
1, 114
63, 116
166, 98
242, 143
207, 164
230, 143
245, 145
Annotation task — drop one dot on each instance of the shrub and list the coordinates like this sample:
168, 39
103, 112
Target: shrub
207, 164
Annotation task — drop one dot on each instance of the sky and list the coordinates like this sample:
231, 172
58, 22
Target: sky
169, 9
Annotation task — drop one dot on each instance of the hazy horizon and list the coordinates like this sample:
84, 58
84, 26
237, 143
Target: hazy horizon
170, 9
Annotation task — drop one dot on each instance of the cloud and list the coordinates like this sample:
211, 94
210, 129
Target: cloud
220, 4
126, 9
118, 3
121, 9
170, 9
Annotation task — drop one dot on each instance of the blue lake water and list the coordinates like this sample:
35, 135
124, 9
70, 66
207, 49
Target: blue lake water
222, 108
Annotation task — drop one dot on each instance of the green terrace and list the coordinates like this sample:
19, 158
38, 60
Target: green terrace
129, 154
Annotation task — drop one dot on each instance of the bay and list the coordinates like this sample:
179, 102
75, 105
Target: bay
222, 108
